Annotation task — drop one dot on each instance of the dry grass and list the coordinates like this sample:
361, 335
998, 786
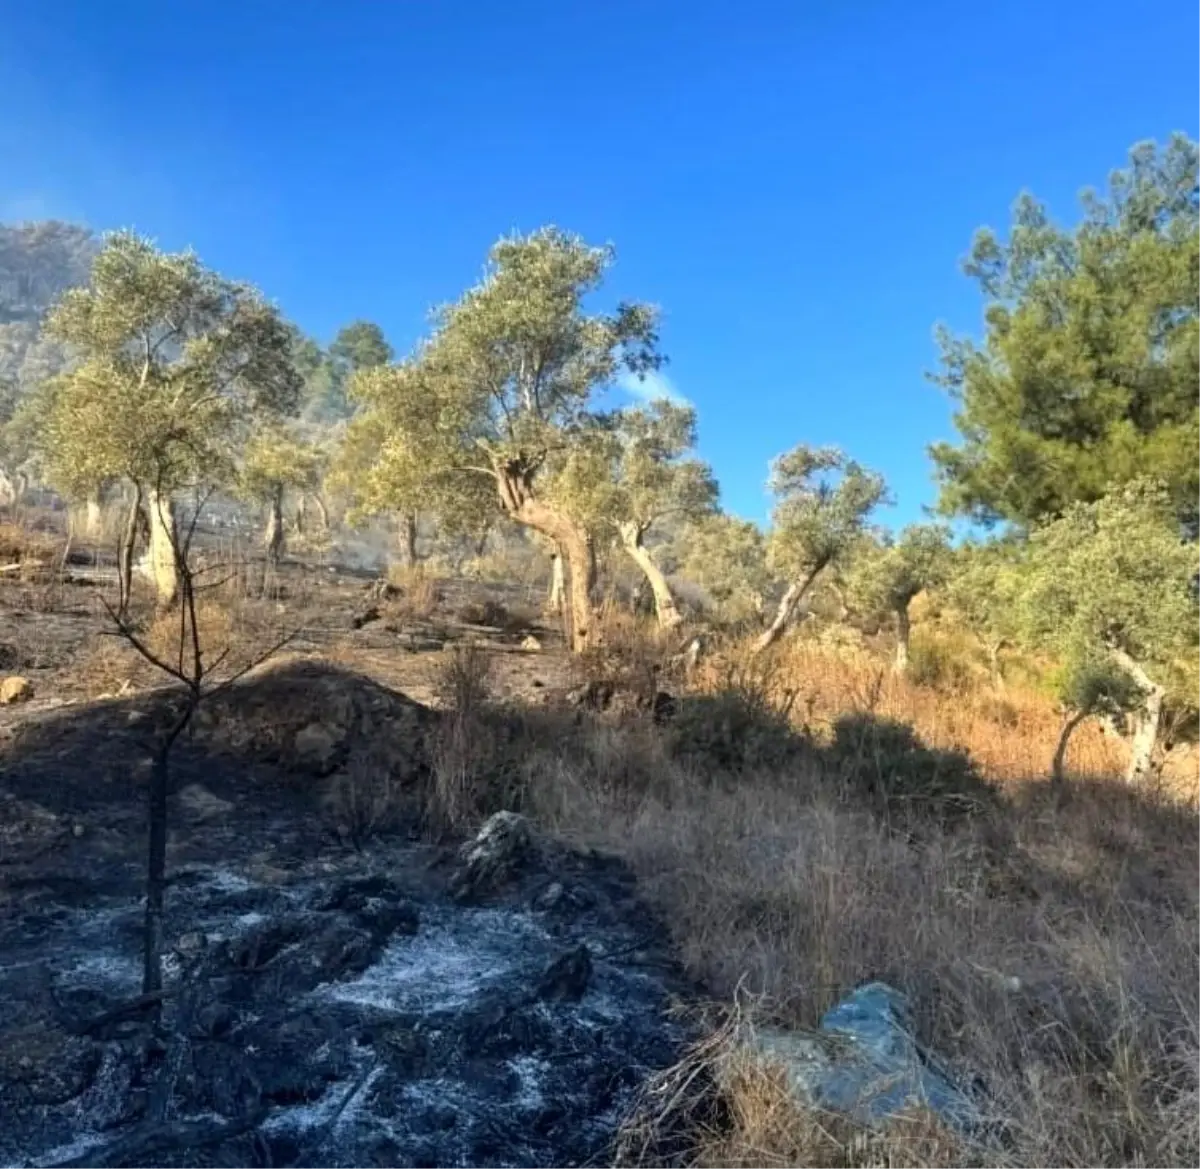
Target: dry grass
239, 626
1009, 735
420, 592
1049, 940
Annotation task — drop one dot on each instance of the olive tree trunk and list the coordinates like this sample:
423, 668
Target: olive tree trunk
903, 639
273, 540
571, 538
1058, 769
322, 509
1146, 722
664, 603
556, 597
163, 567
788, 604
125, 550
93, 516
408, 538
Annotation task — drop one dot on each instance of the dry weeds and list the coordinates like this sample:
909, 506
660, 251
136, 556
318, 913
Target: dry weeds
1049, 941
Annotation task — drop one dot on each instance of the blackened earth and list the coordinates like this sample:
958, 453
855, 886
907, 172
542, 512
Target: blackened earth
324, 1006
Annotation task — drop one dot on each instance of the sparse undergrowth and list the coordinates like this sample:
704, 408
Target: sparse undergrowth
1048, 939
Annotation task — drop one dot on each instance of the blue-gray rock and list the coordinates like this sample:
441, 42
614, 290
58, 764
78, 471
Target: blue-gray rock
864, 1061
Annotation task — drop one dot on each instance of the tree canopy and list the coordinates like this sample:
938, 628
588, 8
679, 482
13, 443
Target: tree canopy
504, 387
1087, 376
175, 365
1114, 580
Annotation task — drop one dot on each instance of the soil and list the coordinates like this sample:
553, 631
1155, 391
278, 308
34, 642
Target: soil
326, 1004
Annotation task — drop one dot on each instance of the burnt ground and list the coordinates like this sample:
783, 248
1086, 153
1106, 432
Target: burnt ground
326, 1004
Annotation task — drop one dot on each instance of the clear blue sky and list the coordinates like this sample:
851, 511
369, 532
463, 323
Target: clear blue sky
794, 183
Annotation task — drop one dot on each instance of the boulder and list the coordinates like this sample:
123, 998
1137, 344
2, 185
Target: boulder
863, 1061
14, 688
500, 850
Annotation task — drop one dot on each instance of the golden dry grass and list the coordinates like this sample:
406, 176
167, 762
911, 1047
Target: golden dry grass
1049, 940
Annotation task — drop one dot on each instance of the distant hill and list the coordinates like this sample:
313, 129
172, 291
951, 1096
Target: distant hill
38, 262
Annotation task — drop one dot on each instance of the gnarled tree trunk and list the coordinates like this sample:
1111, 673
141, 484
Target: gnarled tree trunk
903, 639
1058, 769
664, 603
1146, 722
787, 607
273, 540
125, 550
574, 541
408, 538
163, 567
322, 509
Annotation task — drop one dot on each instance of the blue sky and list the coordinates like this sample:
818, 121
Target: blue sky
794, 183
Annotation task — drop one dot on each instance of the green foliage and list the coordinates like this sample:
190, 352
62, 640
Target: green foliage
984, 586
1096, 685
502, 390
278, 457
176, 364
727, 557
736, 729
1113, 576
938, 663
327, 374
1088, 375
822, 503
360, 345
885, 576
885, 764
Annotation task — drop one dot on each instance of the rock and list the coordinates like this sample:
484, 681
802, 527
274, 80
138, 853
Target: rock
530, 643
499, 851
201, 804
863, 1061
14, 688
566, 978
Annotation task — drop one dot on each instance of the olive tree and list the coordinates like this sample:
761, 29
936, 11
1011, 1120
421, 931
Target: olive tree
984, 586
277, 459
822, 503
175, 364
727, 557
1113, 581
656, 482
630, 471
1090, 686
504, 384
886, 576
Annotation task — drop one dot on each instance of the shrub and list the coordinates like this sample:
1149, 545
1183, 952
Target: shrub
887, 764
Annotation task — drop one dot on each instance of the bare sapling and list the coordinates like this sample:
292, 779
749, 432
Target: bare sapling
196, 673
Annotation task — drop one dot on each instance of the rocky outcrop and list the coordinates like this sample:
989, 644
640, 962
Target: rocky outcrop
305, 716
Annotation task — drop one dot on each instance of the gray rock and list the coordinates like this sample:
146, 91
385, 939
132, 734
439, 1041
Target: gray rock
201, 804
863, 1061
499, 851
